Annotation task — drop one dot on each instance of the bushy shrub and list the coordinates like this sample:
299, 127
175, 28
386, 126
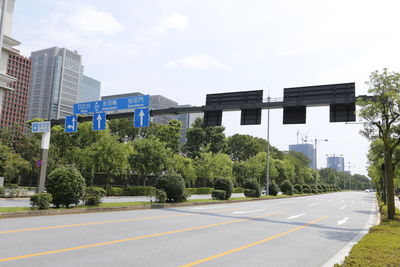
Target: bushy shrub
41, 201
250, 193
298, 189
320, 188
324, 188
66, 185
306, 189
273, 188
253, 185
238, 190
139, 191
287, 188
224, 184
200, 190
218, 194
315, 188
115, 191
2, 191
160, 195
94, 196
173, 185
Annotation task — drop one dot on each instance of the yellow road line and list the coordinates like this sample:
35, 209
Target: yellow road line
252, 244
135, 238
105, 222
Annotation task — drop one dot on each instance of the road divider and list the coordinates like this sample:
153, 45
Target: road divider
137, 238
253, 244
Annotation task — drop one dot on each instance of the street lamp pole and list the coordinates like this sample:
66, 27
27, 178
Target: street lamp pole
316, 142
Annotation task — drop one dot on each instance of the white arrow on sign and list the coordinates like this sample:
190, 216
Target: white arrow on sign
72, 127
141, 115
98, 121
340, 222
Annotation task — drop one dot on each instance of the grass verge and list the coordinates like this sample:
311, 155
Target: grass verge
380, 247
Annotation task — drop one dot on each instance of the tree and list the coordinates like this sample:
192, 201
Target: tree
14, 168
210, 166
169, 134
181, 165
123, 128
241, 147
382, 121
149, 157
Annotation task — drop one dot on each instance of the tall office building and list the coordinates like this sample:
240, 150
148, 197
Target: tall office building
336, 163
307, 149
89, 89
56, 75
14, 107
7, 46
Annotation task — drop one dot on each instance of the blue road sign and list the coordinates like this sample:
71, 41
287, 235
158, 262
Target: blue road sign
71, 124
133, 102
142, 117
41, 127
99, 121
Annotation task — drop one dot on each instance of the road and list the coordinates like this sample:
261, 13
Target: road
306, 231
25, 202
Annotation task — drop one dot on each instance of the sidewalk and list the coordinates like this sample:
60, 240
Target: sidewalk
397, 202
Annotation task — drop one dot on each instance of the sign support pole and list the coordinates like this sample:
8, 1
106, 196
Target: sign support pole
44, 151
267, 172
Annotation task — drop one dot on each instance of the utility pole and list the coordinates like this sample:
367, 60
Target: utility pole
316, 142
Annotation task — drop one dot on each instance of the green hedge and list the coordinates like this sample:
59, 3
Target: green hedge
139, 191
200, 190
238, 190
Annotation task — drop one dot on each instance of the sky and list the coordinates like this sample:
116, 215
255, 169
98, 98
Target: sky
185, 49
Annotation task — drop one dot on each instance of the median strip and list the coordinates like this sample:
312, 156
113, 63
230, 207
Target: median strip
136, 238
252, 244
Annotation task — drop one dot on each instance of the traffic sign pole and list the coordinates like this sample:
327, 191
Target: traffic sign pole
44, 152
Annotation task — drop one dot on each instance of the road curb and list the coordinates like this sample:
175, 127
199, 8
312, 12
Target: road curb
6, 215
338, 258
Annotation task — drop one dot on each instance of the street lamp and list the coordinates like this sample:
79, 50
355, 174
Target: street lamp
316, 142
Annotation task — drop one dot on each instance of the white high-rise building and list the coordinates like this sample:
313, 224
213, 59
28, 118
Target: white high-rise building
7, 45
56, 77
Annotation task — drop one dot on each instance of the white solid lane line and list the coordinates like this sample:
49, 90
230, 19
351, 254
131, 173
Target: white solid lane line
243, 212
208, 208
340, 222
313, 204
296, 216
330, 200
285, 202
343, 207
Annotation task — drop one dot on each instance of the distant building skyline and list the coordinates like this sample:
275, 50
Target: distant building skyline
336, 163
306, 149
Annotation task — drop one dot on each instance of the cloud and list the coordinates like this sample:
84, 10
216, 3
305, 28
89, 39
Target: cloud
199, 61
90, 20
174, 21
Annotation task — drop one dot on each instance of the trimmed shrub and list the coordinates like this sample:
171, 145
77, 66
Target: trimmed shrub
306, 189
287, 188
224, 184
314, 187
251, 193
94, 196
320, 188
253, 185
218, 194
173, 185
139, 191
324, 188
313, 191
200, 190
160, 195
298, 189
273, 188
238, 190
41, 201
116, 191
66, 185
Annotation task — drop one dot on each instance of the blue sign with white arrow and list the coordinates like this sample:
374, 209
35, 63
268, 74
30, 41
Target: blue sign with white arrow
142, 117
99, 121
71, 124
133, 102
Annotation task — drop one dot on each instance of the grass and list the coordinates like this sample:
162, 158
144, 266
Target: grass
380, 247
14, 209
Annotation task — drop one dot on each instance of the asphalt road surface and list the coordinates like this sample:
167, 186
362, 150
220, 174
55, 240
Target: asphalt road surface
306, 231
